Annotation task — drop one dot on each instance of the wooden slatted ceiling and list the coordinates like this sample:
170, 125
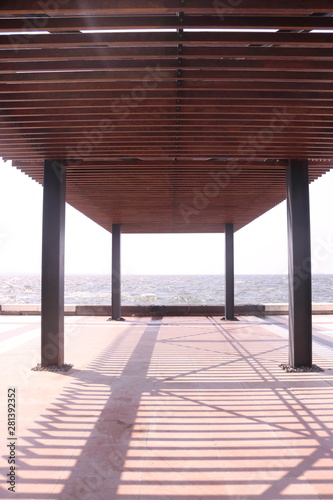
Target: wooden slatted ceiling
172, 130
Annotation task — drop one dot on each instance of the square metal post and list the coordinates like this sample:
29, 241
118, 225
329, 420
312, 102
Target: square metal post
116, 272
229, 273
299, 243
53, 248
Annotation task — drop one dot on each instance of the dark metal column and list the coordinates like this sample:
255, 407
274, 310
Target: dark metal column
299, 242
116, 272
53, 248
229, 273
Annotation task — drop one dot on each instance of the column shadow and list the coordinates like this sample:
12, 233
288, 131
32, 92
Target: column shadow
193, 411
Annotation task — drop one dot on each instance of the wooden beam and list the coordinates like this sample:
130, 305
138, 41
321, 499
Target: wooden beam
130, 7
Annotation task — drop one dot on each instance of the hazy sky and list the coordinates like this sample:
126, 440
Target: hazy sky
260, 247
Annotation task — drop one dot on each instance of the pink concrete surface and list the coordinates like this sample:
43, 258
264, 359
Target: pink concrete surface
173, 408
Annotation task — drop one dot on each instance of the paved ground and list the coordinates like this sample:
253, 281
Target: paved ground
177, 408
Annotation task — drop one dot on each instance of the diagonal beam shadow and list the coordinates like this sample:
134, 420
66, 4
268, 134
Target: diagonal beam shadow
89, 427
116, 425
213, 407
233, 413
243, 355
106, 459
323, 340
239, 327
260, 369
321, 451
218, 365
275, 477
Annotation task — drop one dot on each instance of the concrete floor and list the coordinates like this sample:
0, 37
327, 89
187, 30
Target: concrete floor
177, 408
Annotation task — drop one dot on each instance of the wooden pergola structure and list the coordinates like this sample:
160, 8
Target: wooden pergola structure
169, 116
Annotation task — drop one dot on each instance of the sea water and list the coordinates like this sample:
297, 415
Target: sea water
162, 290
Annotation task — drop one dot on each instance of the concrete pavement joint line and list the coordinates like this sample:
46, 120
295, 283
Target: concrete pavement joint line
9, 344
289, 392
246, 447
260, 310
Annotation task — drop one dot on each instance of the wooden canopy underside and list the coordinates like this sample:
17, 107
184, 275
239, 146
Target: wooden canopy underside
181, 127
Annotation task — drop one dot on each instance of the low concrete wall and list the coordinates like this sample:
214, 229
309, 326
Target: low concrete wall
159, 311
21, 309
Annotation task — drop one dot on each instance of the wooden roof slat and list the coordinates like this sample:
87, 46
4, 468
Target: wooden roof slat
167, 98
44, 106
217, 95
130, 7
93, 120
120, 68
147, 53
56, 24
187, 113
167, 88
279, 38
197, 78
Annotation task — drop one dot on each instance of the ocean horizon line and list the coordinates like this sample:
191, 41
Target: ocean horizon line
12, 273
